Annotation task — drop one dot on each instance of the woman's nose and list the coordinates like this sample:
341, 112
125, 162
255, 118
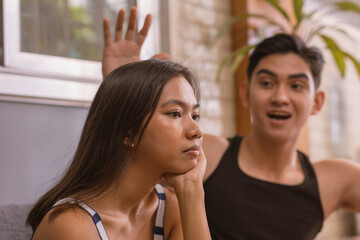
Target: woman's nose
193, 130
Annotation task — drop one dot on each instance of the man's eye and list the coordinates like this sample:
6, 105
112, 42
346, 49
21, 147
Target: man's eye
297, 86
266, 83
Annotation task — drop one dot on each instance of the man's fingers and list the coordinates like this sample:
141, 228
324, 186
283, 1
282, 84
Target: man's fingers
130, 32
107, 33
163, 56
140, 38
119, 25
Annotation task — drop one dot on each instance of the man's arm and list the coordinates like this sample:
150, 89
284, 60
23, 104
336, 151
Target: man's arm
339, 184
123, 50
214, 148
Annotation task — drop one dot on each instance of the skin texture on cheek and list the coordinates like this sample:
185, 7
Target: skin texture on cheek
281, 83
165, 138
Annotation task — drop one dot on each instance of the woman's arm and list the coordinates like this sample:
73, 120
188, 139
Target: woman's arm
190, 195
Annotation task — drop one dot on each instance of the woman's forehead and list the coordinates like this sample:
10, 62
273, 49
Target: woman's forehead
178, 88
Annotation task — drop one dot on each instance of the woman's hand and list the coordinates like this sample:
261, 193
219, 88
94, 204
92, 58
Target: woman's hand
192, 180
190, 195
123, 50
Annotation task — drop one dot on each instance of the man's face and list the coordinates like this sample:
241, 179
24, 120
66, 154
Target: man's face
281, 96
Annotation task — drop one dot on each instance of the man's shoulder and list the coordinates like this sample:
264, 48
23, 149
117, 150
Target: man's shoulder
334, 165
338, 183
214, 148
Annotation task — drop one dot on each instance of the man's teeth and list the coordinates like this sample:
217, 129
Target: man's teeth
279, 115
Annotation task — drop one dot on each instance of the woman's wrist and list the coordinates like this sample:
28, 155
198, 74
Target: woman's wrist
190, 191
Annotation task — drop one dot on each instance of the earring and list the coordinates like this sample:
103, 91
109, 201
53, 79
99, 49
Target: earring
128, 143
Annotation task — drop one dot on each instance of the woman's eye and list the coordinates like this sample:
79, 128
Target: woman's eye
174, 114
196, 117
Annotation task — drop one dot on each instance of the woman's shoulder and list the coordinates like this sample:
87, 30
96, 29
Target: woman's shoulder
172, 221
72, 223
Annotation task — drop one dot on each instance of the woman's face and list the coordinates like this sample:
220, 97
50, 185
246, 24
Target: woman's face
172, 139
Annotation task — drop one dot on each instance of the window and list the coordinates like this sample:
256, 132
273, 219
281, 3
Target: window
51, 49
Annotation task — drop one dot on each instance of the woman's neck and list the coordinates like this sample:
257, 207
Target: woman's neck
131, 193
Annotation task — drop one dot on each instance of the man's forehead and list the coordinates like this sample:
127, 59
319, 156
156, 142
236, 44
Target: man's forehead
283, 64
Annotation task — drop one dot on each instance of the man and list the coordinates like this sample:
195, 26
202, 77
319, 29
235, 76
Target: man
260, 186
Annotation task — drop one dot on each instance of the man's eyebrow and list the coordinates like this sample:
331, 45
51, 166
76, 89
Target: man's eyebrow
296, 75
266, 71
180, 103
299, 75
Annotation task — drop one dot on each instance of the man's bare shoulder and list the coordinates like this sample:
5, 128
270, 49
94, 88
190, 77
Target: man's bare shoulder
335, 166
214, 148
72, 223
338, 181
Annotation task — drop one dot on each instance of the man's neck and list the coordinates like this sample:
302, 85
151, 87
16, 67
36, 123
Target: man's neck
270, 160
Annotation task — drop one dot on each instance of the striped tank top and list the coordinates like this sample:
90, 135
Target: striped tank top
159, 220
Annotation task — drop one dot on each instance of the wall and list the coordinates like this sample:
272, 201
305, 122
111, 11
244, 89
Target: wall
193, 24
36, 144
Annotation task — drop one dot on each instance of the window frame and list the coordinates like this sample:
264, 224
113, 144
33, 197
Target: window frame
21, 75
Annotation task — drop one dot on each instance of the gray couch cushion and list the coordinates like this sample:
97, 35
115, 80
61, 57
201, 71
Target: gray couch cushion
12, 222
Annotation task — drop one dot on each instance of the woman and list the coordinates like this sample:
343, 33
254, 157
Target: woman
142, 126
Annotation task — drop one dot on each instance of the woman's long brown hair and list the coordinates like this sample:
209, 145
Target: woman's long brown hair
121, 110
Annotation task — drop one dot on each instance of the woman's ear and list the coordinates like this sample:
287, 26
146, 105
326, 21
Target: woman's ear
319, 100
244, 94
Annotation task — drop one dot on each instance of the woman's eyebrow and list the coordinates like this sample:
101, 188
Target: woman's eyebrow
180, 103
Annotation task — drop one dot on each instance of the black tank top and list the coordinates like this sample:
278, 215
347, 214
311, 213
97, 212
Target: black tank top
242, 207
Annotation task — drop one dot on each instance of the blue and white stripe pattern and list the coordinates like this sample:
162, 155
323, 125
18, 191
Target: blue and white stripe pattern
94, 215
159, 220
160, 213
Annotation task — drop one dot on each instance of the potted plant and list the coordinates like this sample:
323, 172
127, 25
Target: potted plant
305, 25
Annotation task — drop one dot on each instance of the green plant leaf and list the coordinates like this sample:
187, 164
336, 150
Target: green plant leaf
225, 27
310, 15
354, 61
340, 31
222, 64
276, 5
298, 5
236, 57
336, 52
235, 64
239, 55
348, 6
316, 31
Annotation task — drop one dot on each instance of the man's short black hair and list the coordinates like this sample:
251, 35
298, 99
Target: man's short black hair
286, 43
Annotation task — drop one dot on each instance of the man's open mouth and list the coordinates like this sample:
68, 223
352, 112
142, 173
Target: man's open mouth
279, 115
